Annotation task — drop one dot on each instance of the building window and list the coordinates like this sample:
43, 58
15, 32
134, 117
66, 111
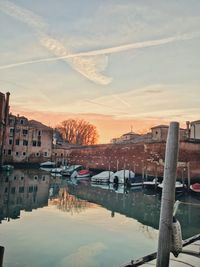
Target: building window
12, 190
34, 143
39, 133
9, 152
11, 121
35, 188
10, 141
11, 130
21, 189
37, 154
39, 143
4, 151
21, 121
22, 178
24, 153
17, 142
6, 190
45, 154
17, 153
24, 131
30, 189
25, 142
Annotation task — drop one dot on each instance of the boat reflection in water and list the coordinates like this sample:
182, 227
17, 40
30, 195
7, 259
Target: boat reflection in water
133, 203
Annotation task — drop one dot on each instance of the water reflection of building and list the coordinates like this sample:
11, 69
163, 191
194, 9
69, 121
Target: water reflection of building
69, 203
22, 190
144, 208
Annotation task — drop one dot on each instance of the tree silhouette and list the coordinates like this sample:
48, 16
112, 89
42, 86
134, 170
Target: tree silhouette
78, 132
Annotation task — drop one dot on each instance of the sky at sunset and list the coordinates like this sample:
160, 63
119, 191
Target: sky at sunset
115, 63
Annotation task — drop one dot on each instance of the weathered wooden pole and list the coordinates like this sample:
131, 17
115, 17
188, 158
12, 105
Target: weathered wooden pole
188, 174
168, 196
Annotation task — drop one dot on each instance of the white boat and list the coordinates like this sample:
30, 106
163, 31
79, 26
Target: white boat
103, 177
151, 184
56, 170
178, 186
48, 164
122, 176
68, 172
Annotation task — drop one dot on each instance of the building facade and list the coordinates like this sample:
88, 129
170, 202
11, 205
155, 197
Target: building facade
159, 133
27, 141
195, 130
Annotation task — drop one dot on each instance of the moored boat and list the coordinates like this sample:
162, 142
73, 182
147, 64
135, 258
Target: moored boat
102, 177
179, 187
83, 173
122, 177
7, 167
47, 166
195, 188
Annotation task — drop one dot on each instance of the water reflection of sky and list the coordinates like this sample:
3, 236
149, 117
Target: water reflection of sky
49, 237
79, 225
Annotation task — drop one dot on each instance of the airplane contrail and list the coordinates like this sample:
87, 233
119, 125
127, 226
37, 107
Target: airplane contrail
106, 51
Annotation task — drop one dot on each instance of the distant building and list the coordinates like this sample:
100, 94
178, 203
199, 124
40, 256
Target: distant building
125, 138
195, 130
159, 133
27, 140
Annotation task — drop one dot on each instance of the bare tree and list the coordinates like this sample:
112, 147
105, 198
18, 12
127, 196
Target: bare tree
78, 132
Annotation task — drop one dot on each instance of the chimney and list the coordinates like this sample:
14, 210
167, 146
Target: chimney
187, 129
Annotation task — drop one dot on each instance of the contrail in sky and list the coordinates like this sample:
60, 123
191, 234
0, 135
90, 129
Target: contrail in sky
106, 51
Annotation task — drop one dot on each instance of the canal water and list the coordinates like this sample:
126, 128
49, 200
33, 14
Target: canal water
48, 221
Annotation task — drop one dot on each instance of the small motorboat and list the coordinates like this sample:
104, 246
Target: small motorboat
178, 186
102, 177
83, 174
151, 184
68, 172
122, 176
7, 167
47, 166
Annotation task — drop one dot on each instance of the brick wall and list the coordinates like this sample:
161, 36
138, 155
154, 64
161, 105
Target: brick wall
141, 158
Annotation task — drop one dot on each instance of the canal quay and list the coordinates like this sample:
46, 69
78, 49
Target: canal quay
50, 220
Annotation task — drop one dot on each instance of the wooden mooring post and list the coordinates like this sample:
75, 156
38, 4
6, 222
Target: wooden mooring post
168, 196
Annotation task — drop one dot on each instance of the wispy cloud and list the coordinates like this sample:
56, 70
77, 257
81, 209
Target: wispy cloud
88, 67
22, 14
91, 63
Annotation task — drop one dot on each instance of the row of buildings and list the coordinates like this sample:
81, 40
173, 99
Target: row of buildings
159, 134
29, 141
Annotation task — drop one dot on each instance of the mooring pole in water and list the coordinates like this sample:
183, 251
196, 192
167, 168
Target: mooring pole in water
168, 196
1, 256
188, 174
